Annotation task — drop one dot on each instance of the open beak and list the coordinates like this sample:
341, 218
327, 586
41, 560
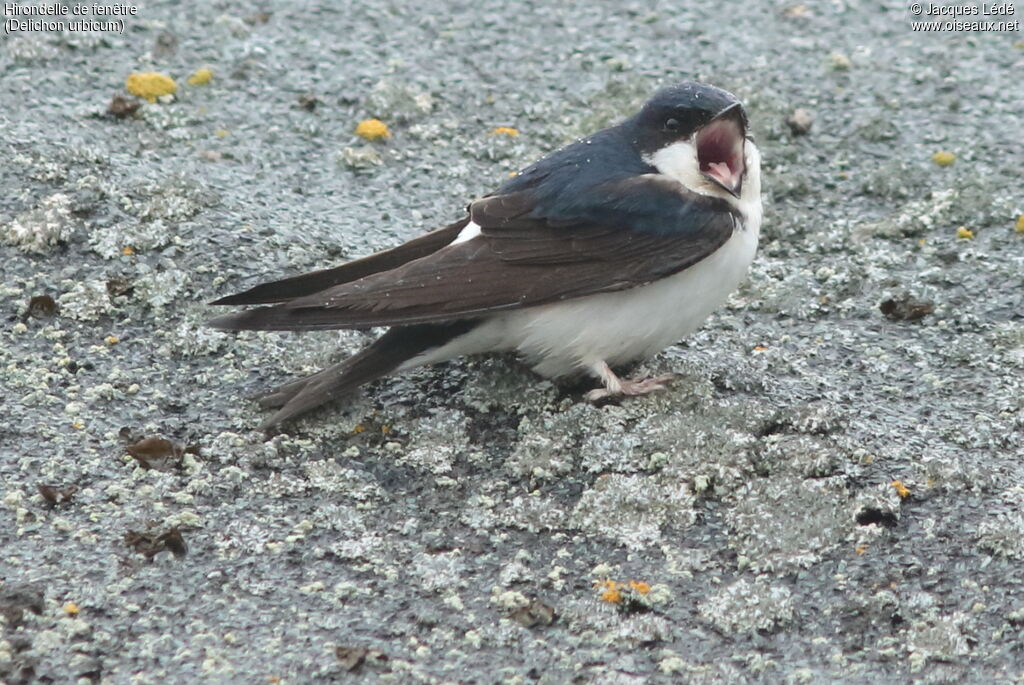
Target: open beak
720, 149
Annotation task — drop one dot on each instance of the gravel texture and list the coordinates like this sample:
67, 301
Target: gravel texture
831, 491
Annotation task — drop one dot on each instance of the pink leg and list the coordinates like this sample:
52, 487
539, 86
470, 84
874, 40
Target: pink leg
624, 387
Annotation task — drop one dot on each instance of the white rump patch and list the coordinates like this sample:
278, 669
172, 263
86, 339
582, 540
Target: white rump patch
471, 231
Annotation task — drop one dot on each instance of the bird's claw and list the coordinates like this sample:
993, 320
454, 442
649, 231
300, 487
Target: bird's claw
629, 387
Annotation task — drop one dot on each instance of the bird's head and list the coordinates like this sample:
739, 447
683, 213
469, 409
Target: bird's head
695, 134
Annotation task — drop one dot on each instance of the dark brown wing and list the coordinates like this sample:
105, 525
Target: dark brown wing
647, 229
317, 281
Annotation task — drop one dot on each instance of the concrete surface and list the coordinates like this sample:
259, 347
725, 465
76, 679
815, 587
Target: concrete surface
466, 523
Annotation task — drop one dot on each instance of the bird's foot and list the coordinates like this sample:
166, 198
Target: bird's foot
625, 387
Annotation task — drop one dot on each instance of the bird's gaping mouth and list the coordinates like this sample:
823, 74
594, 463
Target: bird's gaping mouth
720, 149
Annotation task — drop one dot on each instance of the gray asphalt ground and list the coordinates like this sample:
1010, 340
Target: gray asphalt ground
470, 523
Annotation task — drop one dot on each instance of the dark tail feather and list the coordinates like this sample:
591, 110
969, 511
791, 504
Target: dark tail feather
384, 356
301, 396
313, 282
283, 318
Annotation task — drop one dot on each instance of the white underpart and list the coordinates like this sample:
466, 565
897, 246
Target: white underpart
576, 335
469, 231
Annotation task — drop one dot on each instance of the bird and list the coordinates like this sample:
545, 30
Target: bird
602, 253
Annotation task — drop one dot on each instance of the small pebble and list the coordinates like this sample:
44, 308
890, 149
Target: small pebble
800, 121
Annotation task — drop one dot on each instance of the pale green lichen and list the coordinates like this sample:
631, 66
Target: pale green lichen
86, 301
748, 606
39, 229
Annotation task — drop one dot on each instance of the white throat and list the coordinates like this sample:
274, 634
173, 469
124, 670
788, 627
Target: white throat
679, 162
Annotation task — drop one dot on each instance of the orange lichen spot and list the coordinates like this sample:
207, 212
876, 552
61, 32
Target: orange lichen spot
127, 250
943, 158
505, 131
200, 77
902, 490
372, 129
639, 587
71, 609
150, 85
964, 233
360, 428
385, 429
861, 549
111, 340
78, 425
1019, 226
611, 592
760, 348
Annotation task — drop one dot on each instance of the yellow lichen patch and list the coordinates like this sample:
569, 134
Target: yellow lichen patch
611, 592
964, 233
385, 429
360, 428
71, 609
127, 250
902, 490
505, 131
200, 77
943, 158
78, 425
222, 133
372, 129
639, 587
150, 85
760, 348
1019, 226
112, 340
861, 549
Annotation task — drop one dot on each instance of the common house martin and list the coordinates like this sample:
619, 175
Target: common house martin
602, 253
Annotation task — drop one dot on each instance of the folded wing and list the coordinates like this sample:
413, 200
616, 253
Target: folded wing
624, 233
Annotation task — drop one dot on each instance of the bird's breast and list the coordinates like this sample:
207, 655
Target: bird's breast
618, 327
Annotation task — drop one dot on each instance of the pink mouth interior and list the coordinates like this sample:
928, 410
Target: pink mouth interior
720, 152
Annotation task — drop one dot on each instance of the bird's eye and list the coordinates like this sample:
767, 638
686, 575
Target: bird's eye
672, 125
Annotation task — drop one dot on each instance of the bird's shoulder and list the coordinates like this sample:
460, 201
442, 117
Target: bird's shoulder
599, 183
